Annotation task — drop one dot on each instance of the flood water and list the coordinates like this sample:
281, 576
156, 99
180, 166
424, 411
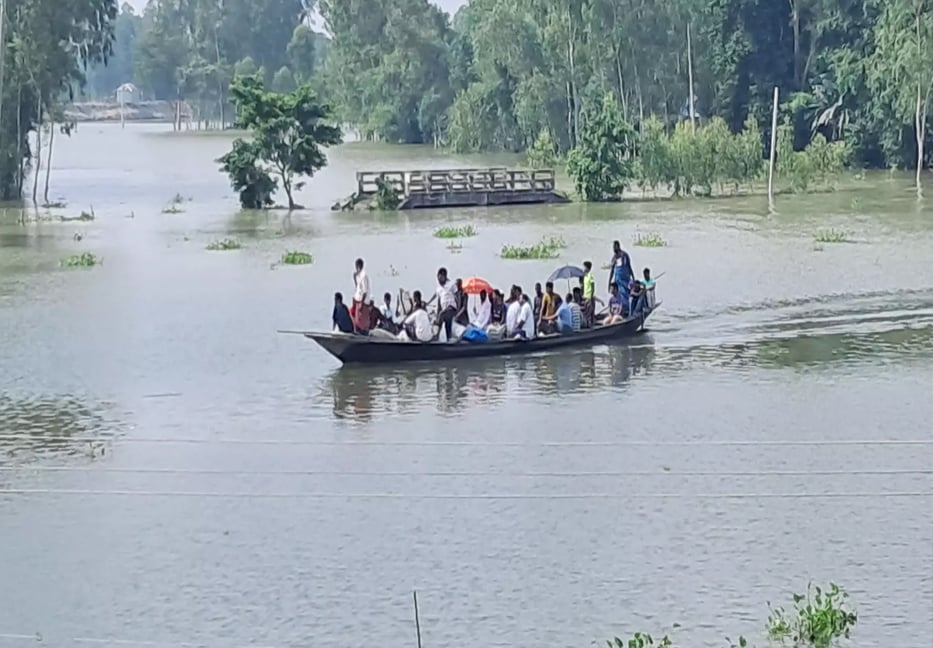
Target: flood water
174, 471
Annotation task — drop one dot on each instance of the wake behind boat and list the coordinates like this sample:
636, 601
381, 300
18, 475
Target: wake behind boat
360, 349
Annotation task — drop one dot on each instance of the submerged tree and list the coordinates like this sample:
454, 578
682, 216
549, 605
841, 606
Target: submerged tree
601, 165
287, 132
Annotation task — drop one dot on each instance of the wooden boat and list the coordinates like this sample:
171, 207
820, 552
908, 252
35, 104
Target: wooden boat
362, 349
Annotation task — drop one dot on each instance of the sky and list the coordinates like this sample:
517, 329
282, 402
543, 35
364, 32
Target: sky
448, 5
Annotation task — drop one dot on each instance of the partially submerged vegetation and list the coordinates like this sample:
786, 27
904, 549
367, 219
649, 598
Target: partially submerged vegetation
287, 131
649, 240
387, 196
84, 260
819, 620
175, 205
297, 258
84, 217
224, 244
544, 249
454, 232
832, 236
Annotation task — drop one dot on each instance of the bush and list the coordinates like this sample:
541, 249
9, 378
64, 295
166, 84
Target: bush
543, 153
387, 196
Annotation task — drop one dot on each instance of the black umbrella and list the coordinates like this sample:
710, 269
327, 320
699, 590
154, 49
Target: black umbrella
567, 272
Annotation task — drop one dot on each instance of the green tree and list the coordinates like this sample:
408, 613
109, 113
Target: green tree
283, 81
47, 45
601, 165
287, 132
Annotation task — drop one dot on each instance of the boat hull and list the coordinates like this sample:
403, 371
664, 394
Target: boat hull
356, 349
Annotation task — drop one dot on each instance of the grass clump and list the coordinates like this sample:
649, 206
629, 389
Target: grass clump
86, 260
224, 244
452, 232
174, 206
653, 240
820, 617
545, 249
832, 236
294, 257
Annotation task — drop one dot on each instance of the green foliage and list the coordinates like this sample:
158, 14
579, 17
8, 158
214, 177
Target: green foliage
819, 618
640, 640
543, 153
387, 195
46, 44
224, 244
832, 236
297, 258
287, 132
453, 232
601, 165
816, 164
85, 260
545, 249
649, 240
174, 206
283, 81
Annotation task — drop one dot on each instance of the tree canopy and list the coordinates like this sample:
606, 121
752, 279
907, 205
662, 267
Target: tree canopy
287, 131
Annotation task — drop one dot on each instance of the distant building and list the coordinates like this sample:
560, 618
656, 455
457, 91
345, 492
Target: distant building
127, 94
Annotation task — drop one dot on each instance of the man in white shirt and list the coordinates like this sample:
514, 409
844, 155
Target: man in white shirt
446, 301
513, 314
526, 318
361, 293
482, 315
417, 326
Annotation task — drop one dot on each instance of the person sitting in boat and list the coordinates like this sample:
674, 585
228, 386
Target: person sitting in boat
561, 320
520, 319
384, 316
497, 312
576, 313
417, 326
547, 323
617, 305
446, 303
636, 297
343, 323
482, 313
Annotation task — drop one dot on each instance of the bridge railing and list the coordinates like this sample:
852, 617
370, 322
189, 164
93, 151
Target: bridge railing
452, 181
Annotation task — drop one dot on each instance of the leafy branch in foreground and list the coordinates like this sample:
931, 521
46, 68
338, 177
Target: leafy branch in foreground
820, 619
287, 132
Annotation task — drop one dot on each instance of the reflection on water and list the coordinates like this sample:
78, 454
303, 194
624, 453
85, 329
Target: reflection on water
361, 393
38, 426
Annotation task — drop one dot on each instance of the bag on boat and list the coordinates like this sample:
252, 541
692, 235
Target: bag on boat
456, 331
381, 334
474, 334
495, 331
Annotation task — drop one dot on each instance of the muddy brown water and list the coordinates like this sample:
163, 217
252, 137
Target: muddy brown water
174, 471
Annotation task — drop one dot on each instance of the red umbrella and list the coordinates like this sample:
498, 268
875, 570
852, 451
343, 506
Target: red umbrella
475, 285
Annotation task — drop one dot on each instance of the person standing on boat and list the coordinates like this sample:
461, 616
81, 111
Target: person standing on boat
463, 315
536, 308
589, 294
446, 302
361, 293
620, 267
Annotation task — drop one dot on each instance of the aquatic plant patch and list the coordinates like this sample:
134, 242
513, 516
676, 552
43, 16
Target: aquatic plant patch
546, 249
85, 260
653, 240
451, 232
295, 257
224, 244
832, 236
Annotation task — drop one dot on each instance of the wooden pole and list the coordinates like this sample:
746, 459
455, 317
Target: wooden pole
693, 115
417, 619
774, 119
